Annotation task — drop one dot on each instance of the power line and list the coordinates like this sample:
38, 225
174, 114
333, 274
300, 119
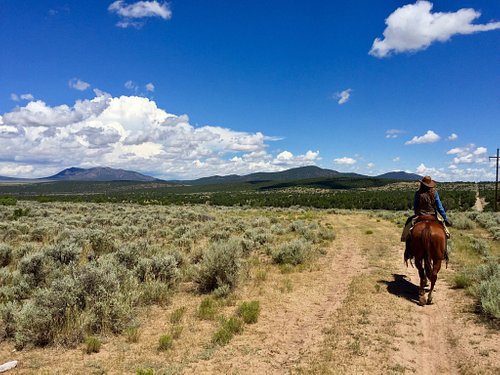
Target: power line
496, 180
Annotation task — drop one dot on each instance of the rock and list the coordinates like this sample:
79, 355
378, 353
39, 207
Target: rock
8, 366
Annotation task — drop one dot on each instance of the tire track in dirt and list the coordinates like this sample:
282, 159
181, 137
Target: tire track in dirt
290, 326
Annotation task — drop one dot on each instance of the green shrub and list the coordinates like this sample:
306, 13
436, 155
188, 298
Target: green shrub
293, 252
480, 246
32, 265
463, 222
128, 256
176, 331
228, 329
92, 344
101, 242
132, 334
219, 266
327, 234
165, 342
177, 315
8, 201
464, 278
8, 312
249, 311
154, 292
5, 255
148, 371
161, 268
65, 252
207, 309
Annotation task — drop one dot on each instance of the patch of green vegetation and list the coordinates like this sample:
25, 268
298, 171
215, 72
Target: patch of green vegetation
249, 311
92, 344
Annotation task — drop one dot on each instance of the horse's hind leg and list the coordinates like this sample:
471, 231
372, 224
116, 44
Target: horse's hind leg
435, 270
423, 280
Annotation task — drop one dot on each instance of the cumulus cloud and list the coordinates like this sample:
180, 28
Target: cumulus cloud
345, 161
468, 155
10, 169
344, 96
14, 97
455, 173
435, 173
396, 159
452, 137
133, 15
78, 84
429, 137
132, 132
370, 165
150, 87
414, 27
393, 133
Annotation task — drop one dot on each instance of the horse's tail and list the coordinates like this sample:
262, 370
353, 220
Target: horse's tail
427, 245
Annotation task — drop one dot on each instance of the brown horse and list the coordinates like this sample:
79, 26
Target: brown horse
428, 244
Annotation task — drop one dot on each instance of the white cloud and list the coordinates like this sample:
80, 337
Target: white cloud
396, 159
429, 137
344, 96
78, 84
131, 85
452, 137
10, 169
469, 154
345, 161
393, 133
133, 14
370, 165
435, 173
132, 132
414, 27
150, 87
27, 97
16, 98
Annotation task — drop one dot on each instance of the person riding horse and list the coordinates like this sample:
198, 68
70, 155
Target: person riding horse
425, 202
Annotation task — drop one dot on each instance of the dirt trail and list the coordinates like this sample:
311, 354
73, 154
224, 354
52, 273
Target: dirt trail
480, 202
339, 320
291, 326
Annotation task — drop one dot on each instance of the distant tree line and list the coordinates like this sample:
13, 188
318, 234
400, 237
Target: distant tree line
350, 199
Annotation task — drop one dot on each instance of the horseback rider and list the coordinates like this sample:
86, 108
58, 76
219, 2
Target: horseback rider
426, 202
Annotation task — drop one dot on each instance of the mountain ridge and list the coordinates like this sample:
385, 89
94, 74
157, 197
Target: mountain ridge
298, 173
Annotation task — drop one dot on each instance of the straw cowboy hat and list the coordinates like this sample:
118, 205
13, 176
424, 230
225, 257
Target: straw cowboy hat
427, 181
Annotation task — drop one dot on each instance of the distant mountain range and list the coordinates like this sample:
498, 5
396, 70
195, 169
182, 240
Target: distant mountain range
301, 173
89, 174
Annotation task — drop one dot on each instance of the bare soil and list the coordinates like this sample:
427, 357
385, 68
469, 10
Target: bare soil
352, 311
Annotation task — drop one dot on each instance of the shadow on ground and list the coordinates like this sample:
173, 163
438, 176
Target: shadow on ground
402, 287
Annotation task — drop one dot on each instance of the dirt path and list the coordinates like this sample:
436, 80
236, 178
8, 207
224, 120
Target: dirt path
357, 314
380, 329
291, 326
480, 202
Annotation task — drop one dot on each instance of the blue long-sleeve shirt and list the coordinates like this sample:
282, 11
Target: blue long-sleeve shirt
437, 205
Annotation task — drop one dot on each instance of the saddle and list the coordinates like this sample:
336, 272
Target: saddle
421, 218
432, 218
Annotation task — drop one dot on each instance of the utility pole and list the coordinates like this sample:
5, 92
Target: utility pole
496, 181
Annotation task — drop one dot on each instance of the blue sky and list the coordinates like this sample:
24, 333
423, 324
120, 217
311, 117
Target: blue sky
187, 89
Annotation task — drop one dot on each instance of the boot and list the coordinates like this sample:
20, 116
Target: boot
408, 255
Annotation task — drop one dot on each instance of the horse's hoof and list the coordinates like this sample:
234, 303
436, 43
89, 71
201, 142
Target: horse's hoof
421, 301
429, 301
